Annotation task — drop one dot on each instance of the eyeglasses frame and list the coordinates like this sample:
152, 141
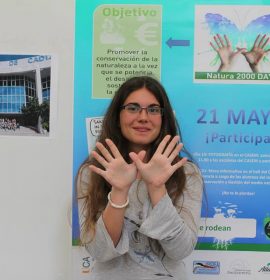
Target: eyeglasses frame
123, 107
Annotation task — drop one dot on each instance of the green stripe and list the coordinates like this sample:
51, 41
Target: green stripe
75, 242
211, 246
238, 76
234, 247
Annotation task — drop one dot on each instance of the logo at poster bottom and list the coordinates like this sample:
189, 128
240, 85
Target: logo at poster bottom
267, 229
206, 267
239, 267
86, 264
265, 269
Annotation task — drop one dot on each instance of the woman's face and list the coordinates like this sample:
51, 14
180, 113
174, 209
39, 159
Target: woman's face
140, 128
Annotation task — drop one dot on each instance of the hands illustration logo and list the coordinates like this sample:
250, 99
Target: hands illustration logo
228, 55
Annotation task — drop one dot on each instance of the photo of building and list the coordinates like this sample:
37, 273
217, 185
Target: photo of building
25, 87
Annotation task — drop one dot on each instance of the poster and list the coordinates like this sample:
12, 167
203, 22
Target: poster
213, 59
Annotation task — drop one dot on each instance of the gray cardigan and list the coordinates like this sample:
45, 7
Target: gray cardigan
154, 240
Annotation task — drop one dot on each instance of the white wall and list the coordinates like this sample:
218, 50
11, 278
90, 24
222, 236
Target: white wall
35, 176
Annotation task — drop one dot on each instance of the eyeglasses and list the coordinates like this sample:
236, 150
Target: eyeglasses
134, 108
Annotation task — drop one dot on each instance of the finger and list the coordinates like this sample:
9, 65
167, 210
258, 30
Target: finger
227, 41
213, 46
136, 159
104, 151
133, 156
265, 43
179, 164
261, 41
100, 159
256, 41
240, 50
171, 146
97, 170
175, 152
163, 144
217, 41
113, 148
141, 155
221, 40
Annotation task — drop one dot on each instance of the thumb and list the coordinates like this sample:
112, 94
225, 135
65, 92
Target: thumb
137, 159
141, 155
241, 50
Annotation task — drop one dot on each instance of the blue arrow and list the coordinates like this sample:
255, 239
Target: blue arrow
177, 43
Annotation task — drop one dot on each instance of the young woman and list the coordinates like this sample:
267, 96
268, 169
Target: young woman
142, 201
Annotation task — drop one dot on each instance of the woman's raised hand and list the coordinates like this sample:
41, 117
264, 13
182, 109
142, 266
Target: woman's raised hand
117, 172
159, 169
257, 53
225, 52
